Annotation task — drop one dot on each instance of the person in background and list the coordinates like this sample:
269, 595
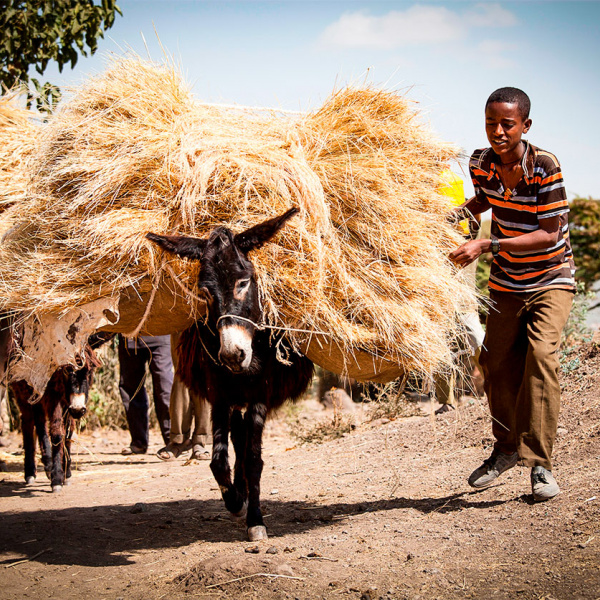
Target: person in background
531, 286
186, 407
134, 355
469, 344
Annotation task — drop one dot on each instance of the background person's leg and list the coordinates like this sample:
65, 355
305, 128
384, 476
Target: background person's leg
161, 368
132, 367
180, 407
202, 427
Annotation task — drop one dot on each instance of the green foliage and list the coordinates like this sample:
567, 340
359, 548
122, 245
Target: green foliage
390, 402
35, 32
484, 263
584, 227
576, 331
316, 432
105, 408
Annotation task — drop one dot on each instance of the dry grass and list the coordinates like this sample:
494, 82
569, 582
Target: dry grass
131, 152
17, 142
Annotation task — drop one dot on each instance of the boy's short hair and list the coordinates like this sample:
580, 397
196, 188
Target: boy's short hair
512, 95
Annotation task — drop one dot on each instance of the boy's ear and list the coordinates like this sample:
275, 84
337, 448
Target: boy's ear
260, 234
186, 247
527, 125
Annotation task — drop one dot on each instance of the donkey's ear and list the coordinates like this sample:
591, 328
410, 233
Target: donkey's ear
186, 247
260, 234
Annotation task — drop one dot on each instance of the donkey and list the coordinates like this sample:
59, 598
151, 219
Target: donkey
232, 362
53, 416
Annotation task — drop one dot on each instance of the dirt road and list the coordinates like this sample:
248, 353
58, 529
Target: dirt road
384, 512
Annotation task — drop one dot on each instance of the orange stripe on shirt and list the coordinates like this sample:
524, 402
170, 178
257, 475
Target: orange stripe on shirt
552, 206
499, 288
526, 259
506, 204
551, 178
507, 232
534, 274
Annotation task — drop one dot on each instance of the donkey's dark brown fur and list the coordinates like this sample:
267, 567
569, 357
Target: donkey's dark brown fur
53, 417
233, 363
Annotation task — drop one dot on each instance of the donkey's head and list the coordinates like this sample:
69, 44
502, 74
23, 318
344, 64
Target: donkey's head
78, 380
228, 282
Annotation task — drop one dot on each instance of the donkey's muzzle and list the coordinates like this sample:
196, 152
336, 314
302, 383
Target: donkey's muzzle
77, 413
236, 348
77, 407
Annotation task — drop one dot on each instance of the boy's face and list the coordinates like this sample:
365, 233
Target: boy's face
504, 126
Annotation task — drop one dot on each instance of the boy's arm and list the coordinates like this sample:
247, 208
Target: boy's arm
470, 210
544, 237
476, 205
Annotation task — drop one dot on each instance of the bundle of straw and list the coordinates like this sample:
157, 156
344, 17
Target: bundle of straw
364, 262
17, 142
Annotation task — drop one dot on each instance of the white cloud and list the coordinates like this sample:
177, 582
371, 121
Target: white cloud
493, 53
416, 25
490, 15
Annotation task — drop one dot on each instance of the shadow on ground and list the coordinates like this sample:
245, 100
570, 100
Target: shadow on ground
107, 535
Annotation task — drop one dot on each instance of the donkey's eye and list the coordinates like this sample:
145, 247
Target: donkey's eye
241, 287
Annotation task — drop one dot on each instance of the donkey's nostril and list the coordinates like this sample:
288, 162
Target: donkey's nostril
241, 355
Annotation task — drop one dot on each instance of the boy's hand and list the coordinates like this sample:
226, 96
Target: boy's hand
464, 255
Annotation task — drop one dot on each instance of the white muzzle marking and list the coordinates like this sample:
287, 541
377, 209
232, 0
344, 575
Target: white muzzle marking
233, 339
77, 402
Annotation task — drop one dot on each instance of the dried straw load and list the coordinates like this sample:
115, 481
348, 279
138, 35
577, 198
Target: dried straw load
17, 142
363, 266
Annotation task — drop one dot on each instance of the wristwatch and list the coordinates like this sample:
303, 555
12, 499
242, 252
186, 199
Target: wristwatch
495, 246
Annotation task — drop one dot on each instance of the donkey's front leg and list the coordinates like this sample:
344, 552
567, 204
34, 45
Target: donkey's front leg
238, 439
57, 439
255, 422
28, 430
69, 433
219, 465
42, 433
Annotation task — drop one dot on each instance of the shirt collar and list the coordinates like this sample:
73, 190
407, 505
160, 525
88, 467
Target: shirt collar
527, 161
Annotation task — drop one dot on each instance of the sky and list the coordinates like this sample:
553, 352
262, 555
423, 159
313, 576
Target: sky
446, 55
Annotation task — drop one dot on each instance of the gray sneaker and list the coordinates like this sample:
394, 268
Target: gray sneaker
491, 468
543, 484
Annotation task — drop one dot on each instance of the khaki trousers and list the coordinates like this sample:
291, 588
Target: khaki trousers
185, 407
520, 367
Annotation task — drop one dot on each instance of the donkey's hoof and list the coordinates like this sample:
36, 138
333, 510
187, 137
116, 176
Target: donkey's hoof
257, 533
67, 481
30, 480
56, 489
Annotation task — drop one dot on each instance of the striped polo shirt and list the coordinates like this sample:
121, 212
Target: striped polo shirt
539, 194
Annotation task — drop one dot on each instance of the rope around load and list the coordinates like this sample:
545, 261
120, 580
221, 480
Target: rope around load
136, 331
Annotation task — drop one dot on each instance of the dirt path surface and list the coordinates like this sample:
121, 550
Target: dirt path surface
384, 512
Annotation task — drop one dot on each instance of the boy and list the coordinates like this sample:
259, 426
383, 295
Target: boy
531, 285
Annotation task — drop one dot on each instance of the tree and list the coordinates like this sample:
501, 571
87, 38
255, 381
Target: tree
584, 226
35, 32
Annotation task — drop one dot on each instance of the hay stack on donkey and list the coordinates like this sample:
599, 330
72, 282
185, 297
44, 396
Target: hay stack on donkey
363, 267
359, 279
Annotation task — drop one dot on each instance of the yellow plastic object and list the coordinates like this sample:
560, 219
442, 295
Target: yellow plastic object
451, 185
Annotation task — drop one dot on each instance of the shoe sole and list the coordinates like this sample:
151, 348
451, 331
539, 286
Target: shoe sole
486, 485
544, 498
